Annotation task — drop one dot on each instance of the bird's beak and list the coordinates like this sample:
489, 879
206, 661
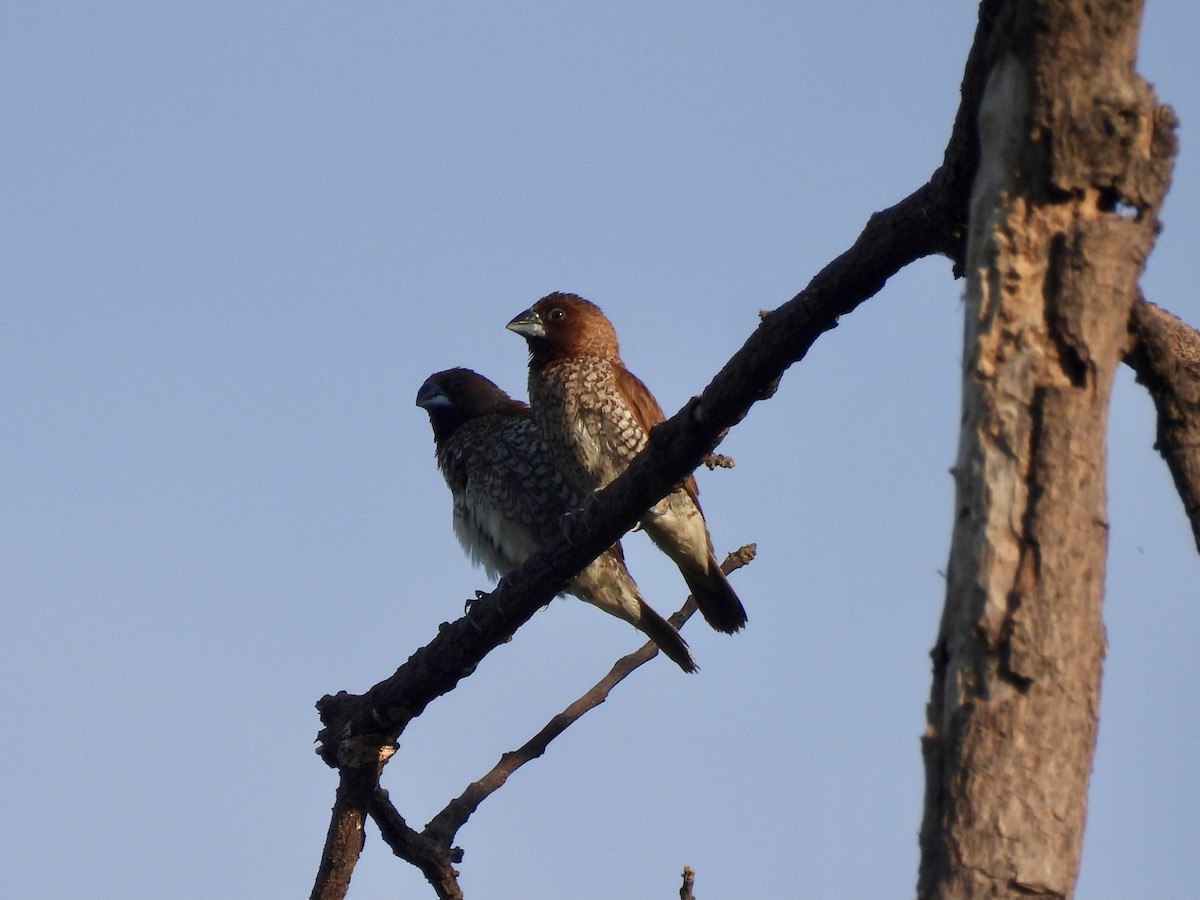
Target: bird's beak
431, 396
528, 324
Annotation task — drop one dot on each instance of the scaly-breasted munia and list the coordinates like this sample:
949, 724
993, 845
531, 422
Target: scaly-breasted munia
596, 416
509, 498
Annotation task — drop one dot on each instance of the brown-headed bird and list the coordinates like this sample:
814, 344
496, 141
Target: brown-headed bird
596, 416
509, 499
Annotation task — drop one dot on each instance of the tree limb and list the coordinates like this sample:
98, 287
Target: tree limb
447, 823
891, 239
689, 883
432, 850
913, 228
1166, 357
435, 859
931, 220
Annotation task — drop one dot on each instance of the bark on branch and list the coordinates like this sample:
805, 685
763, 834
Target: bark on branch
432, 850
915, 227
1166, 357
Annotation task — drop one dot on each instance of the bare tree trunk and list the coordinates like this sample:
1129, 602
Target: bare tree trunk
1074, 161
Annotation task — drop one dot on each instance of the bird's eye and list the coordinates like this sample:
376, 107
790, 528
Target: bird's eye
557, 314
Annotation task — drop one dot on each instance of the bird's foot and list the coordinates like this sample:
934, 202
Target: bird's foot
469, 604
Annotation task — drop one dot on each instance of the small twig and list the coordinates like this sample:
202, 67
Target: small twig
436, 861
443, 827
718, 461
431, 850
689, 881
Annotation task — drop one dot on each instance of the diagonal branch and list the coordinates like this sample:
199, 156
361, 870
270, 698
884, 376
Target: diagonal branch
920, 225
443, 827
891, 240
432, 850
435, 859
929, 221
915, 227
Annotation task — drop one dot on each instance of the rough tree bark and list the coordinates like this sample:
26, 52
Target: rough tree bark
1075, 160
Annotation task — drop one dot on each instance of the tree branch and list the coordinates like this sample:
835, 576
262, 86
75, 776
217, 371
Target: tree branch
435, 859
431, 850
890, 240
446, 824
357, 779
929, 221
1166, 357
689, 882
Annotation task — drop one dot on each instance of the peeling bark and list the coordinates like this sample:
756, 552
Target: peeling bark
1074, 161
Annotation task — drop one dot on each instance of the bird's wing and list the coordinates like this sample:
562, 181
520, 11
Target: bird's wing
646, 411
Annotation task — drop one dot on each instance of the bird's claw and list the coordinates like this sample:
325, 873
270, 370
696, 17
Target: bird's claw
469, 604
658, 509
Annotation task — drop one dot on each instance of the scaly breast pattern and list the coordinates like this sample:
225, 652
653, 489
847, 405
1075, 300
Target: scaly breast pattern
590, 431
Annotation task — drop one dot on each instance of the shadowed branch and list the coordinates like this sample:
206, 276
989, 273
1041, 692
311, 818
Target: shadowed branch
931, 220
432, 850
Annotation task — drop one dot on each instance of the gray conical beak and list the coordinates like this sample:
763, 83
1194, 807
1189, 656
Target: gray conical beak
431, 396
528, 324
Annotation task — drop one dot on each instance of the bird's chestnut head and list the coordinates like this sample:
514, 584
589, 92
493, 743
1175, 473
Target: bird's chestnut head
561, 326
455, 396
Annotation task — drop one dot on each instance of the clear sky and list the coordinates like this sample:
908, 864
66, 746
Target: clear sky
237, 237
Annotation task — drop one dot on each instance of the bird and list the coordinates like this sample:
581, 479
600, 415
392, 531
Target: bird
596, 416
509, 499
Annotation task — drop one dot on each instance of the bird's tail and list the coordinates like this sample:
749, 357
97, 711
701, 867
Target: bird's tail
607, 584
663, 634
714, 596
676, 526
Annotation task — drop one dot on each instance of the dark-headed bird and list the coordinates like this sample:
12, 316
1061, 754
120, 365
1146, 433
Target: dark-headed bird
596, 416
509, 499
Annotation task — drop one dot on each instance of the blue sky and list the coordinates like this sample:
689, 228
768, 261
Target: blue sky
236, 239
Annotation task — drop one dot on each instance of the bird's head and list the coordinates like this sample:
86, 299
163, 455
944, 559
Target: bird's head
561, 326
458, 395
